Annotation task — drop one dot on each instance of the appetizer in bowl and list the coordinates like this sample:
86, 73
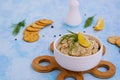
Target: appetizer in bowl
78, 51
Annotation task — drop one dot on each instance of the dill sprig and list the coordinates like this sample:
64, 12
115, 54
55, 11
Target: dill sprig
73, 35
17, 27
74, 39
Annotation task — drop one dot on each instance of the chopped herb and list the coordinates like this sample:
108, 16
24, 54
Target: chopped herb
88, 22
17, 27
72, 47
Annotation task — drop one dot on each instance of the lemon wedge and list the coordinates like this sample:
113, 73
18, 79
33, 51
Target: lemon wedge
83, 41
99, 25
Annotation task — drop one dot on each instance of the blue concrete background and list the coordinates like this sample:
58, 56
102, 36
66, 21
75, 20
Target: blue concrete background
16, 56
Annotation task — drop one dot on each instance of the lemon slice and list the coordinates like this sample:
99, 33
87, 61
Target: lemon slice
83, 41
99, 25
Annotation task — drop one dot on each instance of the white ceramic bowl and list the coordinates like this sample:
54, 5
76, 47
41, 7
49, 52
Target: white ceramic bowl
78, 63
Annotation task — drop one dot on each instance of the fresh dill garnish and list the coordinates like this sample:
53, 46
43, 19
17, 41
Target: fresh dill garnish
17, 27
74, 39
72, 32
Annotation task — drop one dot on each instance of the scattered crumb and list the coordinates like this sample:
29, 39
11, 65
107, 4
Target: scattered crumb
59, 34
52, 26
119, 50
15, 39
84, 31
43, 35
54, 35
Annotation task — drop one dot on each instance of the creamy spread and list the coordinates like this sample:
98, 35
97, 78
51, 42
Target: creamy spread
68, 48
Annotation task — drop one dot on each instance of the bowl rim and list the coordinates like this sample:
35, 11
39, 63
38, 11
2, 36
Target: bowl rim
101, 47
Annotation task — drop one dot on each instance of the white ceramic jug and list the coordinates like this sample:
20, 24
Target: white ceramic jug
73, 18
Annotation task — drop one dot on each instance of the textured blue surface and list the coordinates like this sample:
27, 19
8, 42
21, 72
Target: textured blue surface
16, 56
